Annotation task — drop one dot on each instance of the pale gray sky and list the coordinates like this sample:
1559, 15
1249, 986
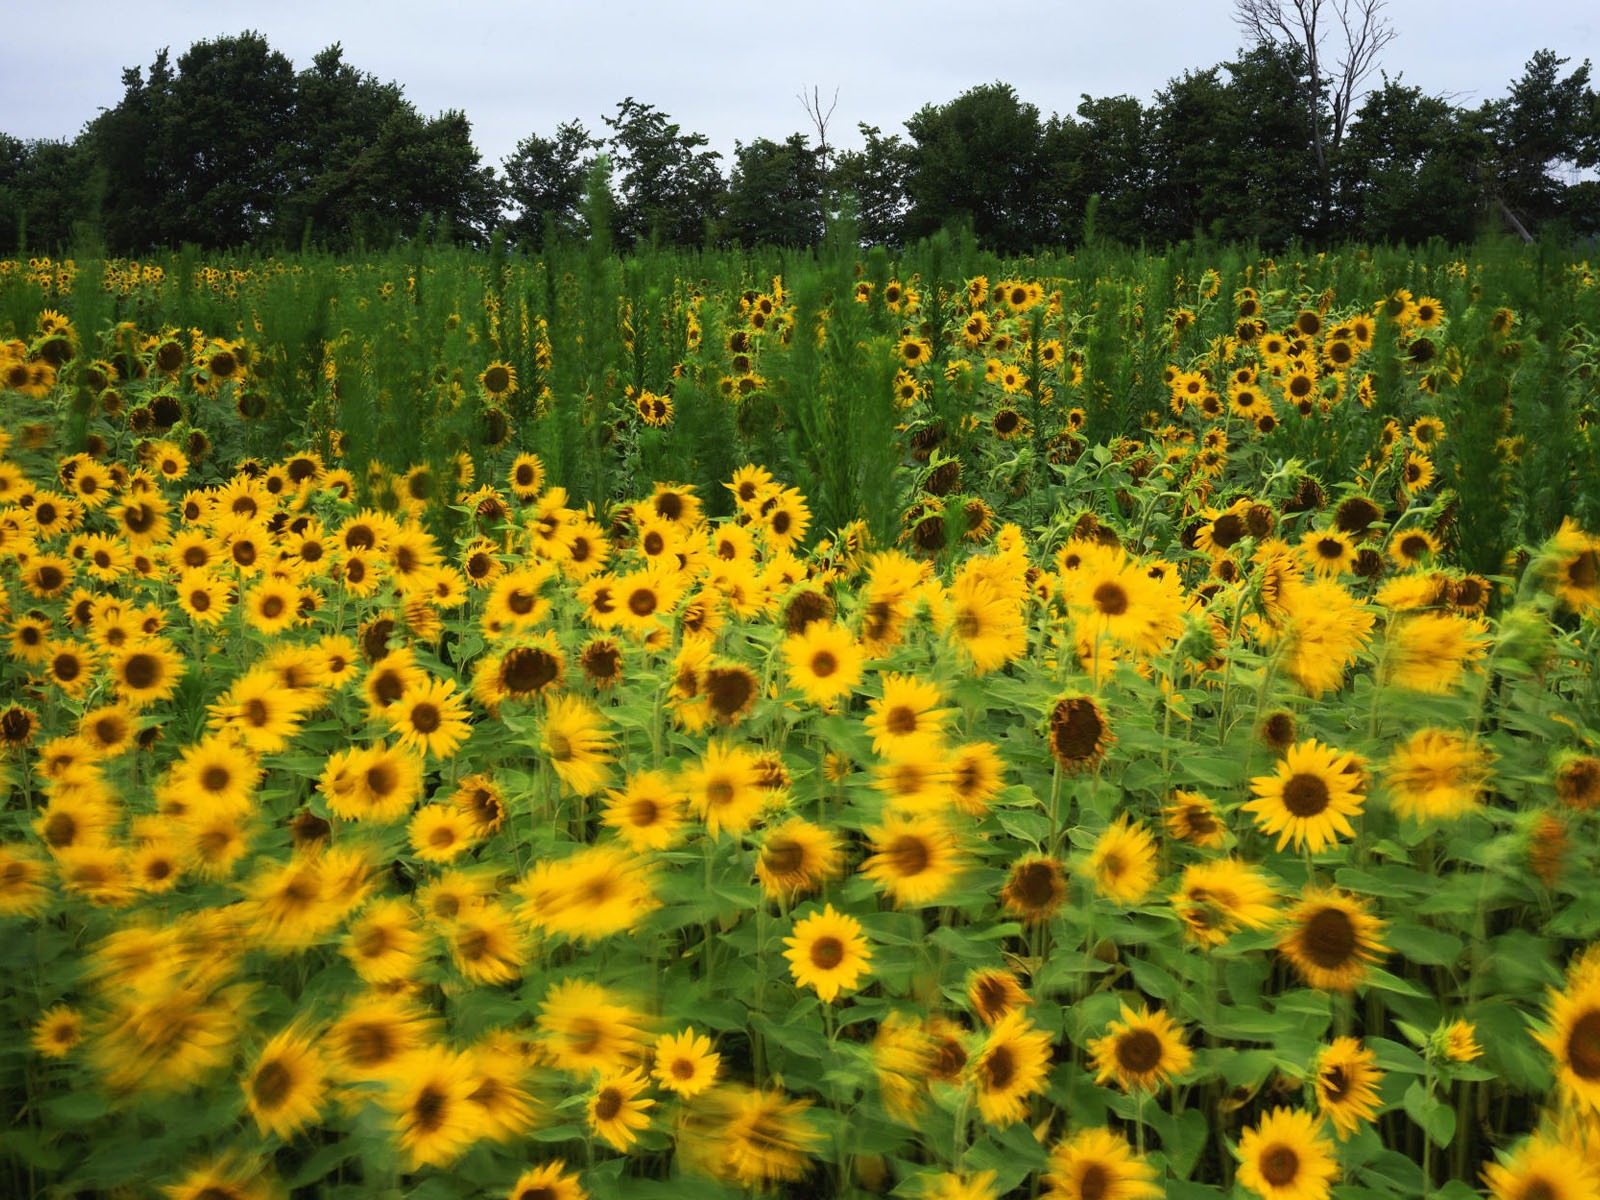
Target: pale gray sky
732, 70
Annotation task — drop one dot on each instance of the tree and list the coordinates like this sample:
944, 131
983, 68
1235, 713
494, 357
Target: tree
41, 193
132, 181
1410, 169
1341, 41
874, 179
978, 157
1104, 152
669, 186
775, 193
1543, 131
340, 113
545, 182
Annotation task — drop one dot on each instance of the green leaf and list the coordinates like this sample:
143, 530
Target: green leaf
1420, 944
1437, 1119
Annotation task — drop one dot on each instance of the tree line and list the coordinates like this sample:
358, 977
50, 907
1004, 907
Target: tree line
232, 147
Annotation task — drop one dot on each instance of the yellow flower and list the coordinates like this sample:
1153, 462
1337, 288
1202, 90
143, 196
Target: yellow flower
828, 952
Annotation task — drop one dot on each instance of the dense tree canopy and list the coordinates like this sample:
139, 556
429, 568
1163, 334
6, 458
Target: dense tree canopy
231, 146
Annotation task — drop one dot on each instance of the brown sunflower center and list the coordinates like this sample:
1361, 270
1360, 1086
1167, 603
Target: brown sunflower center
783, 856
1111, 598
271, 1084
1305, 795
1035, 885
908, 856
730, 690
369, 1044
1138, 1052
430, 1108
142, 671
607, 1104
999, 1068
824, 664
682, 1068
1335, 1083
1583, 572
827, 953
1076, 729
1280, 1165
1329, 940
425, 717
215, 778
1583, 1046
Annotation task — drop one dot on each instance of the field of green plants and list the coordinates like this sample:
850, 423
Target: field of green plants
1095, 727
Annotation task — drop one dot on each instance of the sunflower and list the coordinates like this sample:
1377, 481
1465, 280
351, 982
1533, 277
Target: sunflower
375, 1035
230, 1177
1577, 779
908, 721
1328, 552
1346, 1078
146, 670
1541, 1169
1570, 562
272, 606
995, 994
647, 812
1572, 1037
287, 1086
1035, 889
1123, 864
383, 944
259, 711
58, 1031
828, 952
1286, 1157
600, 890
585, 1029
685, 1063
915, 859
430, 717
1098, 1164
796, 858
1458, 1042
1141, 1051
725, 788
824, 660
751, 1137
577, 743
1331, 938
1192, 817
549, 1182
1217, 898
985, 622
429, 1096
976, 773
1311, 798
499, 379
1431, 652
486, 945
1437, 774
1011, 1065
1079, 733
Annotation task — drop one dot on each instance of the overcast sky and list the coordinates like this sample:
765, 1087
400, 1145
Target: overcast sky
732, 70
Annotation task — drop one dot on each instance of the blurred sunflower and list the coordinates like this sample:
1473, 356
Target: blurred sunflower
1331, 938
1010, 1066
1346, 1079
1285, 1157
1142, 1050
1098, 1164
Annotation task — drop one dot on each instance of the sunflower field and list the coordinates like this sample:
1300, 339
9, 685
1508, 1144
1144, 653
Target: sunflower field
697, 726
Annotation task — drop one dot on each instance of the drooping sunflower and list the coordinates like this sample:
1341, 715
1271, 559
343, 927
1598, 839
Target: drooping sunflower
685, 1063
1346, 1078
1286, 1157
1331, 938
1035, 889
1011, 1066
828, 952
915, 859
1142, 1050
1311, 798
286, 1088
1098, 1164
1079, 732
